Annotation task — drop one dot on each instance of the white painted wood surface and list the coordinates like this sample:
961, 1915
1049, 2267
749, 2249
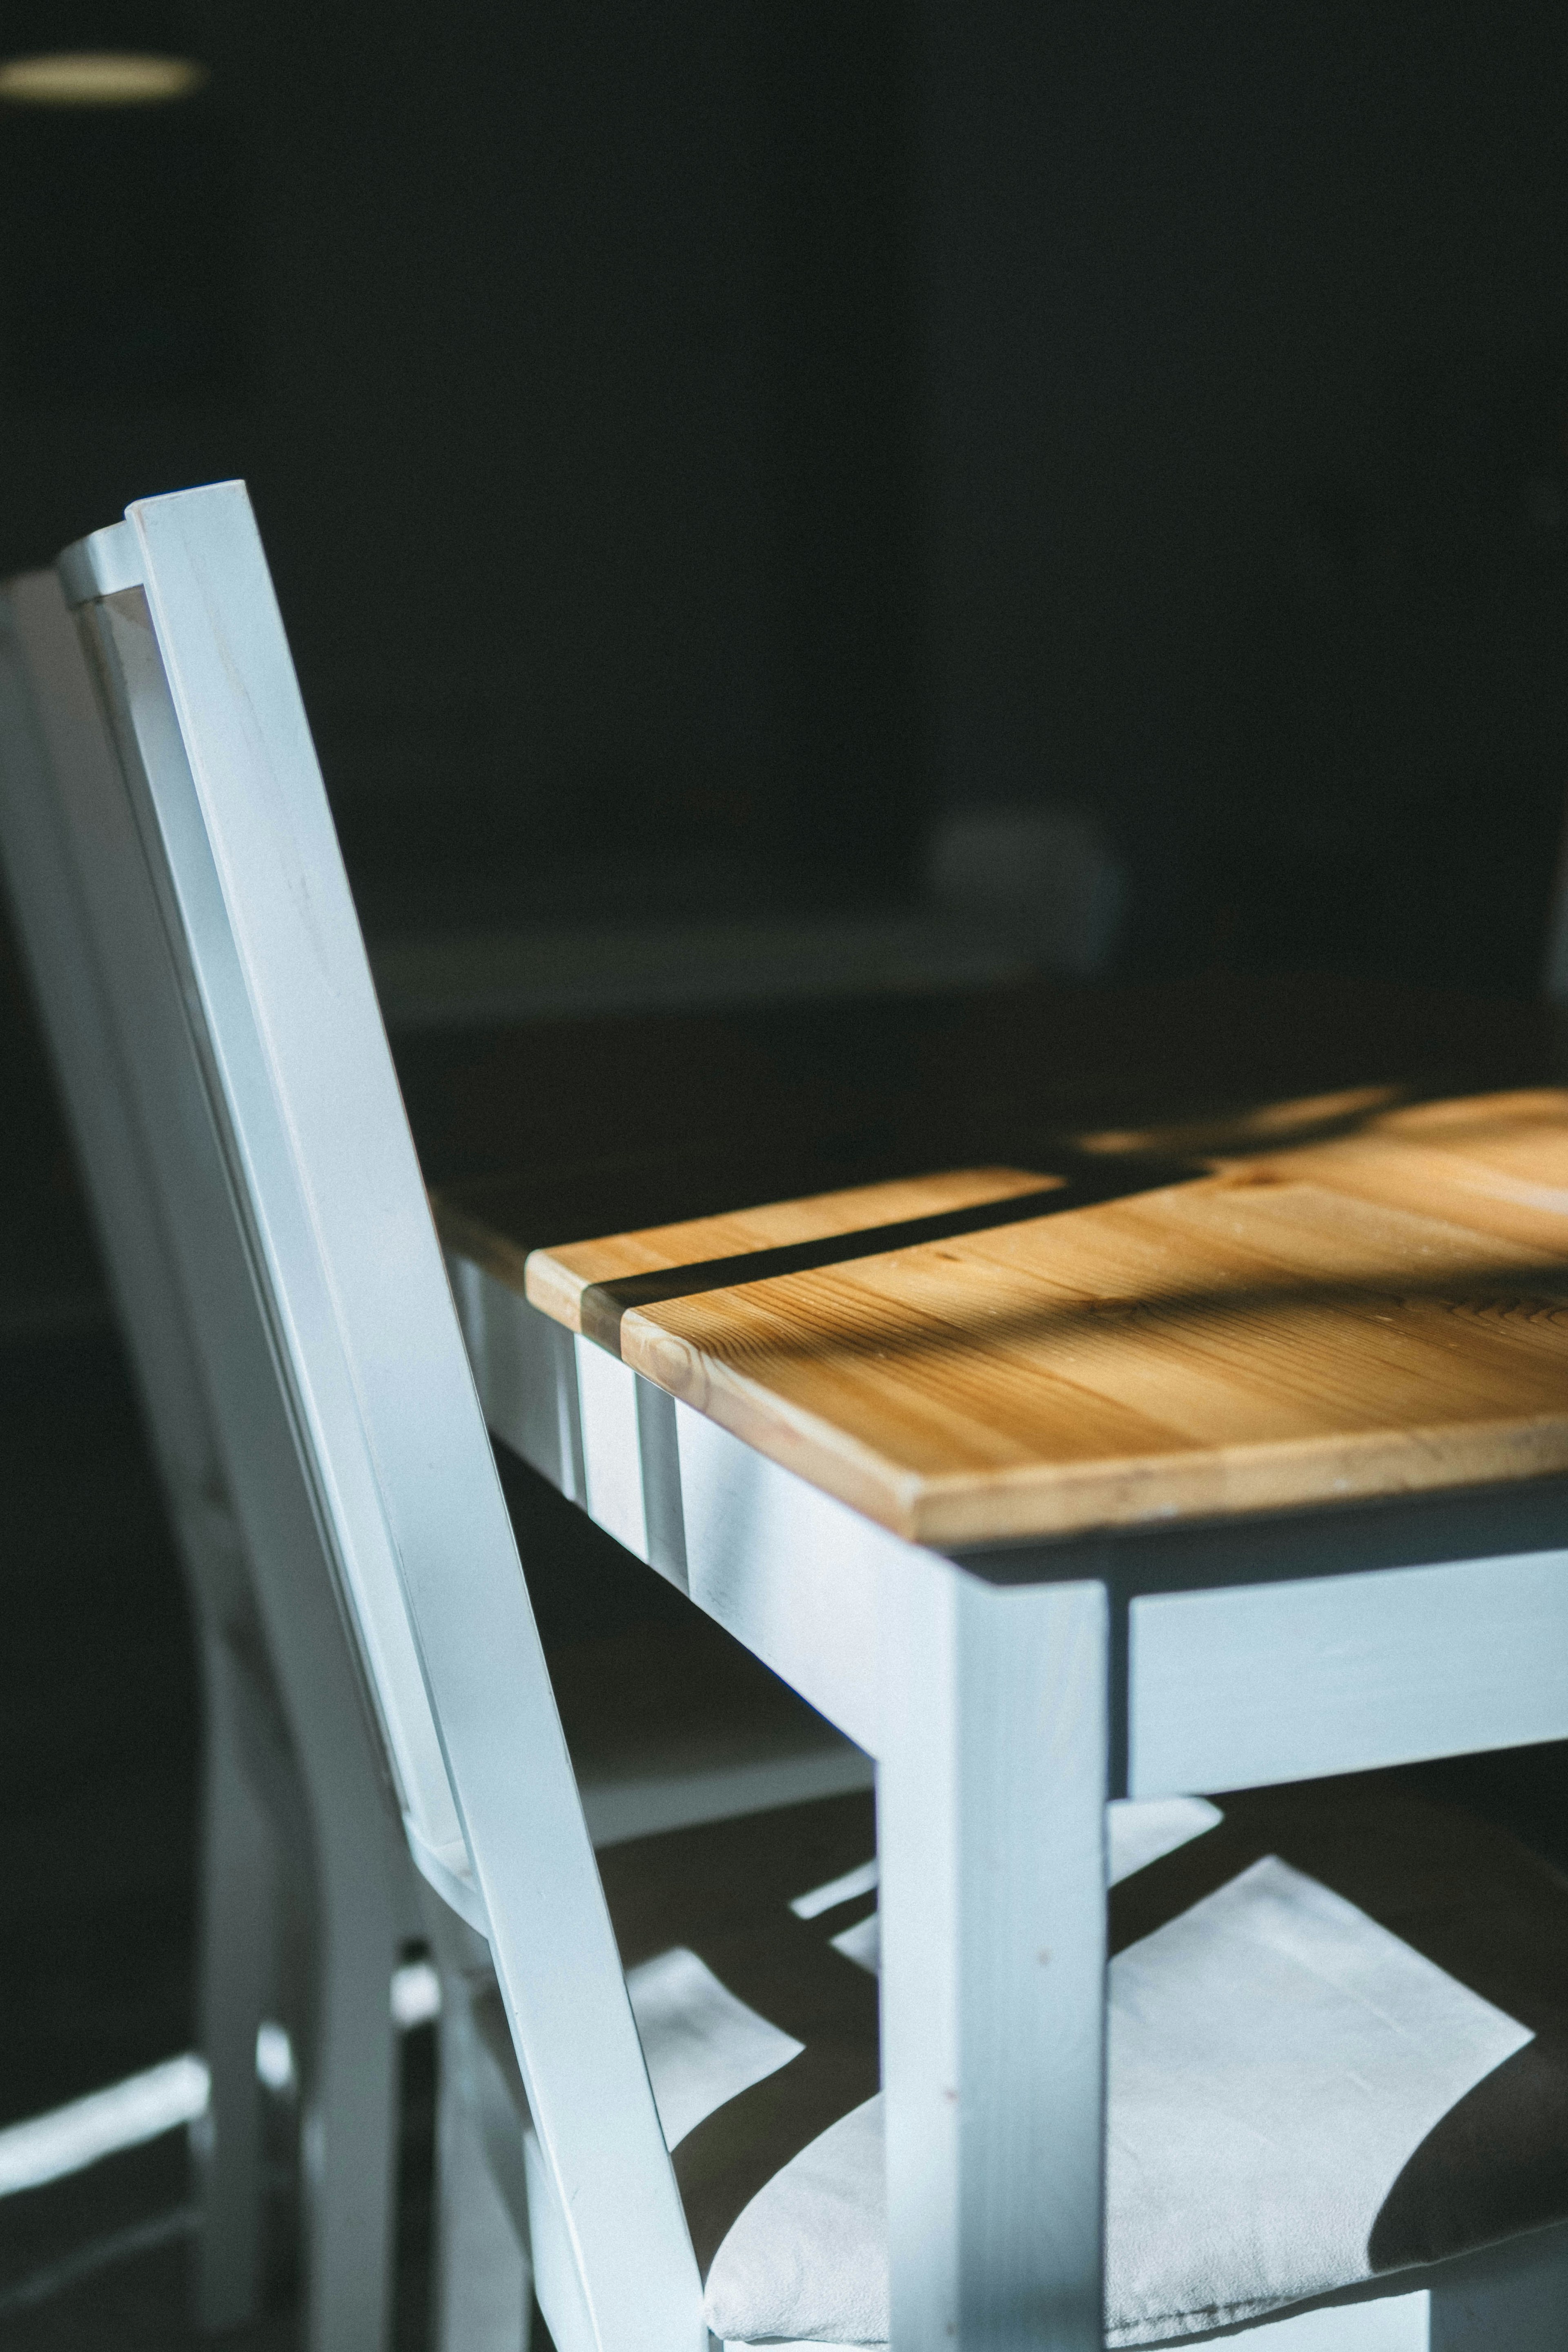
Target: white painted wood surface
526, 1375
1243, 1686
332, 1212
482, 2286
797, 1577
611, 1455
991, 1828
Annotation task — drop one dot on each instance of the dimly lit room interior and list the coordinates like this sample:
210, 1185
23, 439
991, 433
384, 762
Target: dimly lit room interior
880, 589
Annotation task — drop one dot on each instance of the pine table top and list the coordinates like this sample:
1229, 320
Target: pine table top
1364, 1292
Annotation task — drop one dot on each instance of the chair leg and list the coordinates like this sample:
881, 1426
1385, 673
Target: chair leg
482, 2292
349, 2142
240, 1895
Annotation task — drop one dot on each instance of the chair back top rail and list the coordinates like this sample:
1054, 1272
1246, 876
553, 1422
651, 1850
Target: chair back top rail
326, 1198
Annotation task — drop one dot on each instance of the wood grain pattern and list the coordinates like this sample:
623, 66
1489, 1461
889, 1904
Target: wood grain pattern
1381, 1312
1497, 1163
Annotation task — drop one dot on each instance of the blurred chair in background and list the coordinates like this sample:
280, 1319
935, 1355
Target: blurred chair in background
1043, 881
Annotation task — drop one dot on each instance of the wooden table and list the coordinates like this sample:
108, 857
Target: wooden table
1156, 1394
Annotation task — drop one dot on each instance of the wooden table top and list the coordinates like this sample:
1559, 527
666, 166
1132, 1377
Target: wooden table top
1241, 1305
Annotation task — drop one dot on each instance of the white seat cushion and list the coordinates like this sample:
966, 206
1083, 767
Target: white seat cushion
1337, 2048
1275, 2059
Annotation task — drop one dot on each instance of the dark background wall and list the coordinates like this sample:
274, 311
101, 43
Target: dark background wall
695, 442
567, 352
1248, 354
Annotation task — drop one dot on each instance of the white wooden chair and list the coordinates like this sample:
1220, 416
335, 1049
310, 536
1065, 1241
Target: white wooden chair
89, 928
295, 1796
284, 1085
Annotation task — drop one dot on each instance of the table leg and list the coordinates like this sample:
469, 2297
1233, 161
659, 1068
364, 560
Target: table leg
992, 1832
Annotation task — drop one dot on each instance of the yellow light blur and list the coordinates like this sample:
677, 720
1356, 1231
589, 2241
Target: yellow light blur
99, 78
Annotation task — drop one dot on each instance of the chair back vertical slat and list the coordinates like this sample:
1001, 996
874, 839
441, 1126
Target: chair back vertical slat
51, 727
228, 800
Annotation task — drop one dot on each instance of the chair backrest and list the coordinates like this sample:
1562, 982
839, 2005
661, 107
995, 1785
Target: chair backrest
280, 1103
89, 923
285, 1692
51, 725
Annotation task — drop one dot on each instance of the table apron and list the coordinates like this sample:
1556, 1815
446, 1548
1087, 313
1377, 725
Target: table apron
1251, 1685
794, 1575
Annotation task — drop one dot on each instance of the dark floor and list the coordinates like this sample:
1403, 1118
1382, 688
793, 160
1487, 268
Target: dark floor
98, 1753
